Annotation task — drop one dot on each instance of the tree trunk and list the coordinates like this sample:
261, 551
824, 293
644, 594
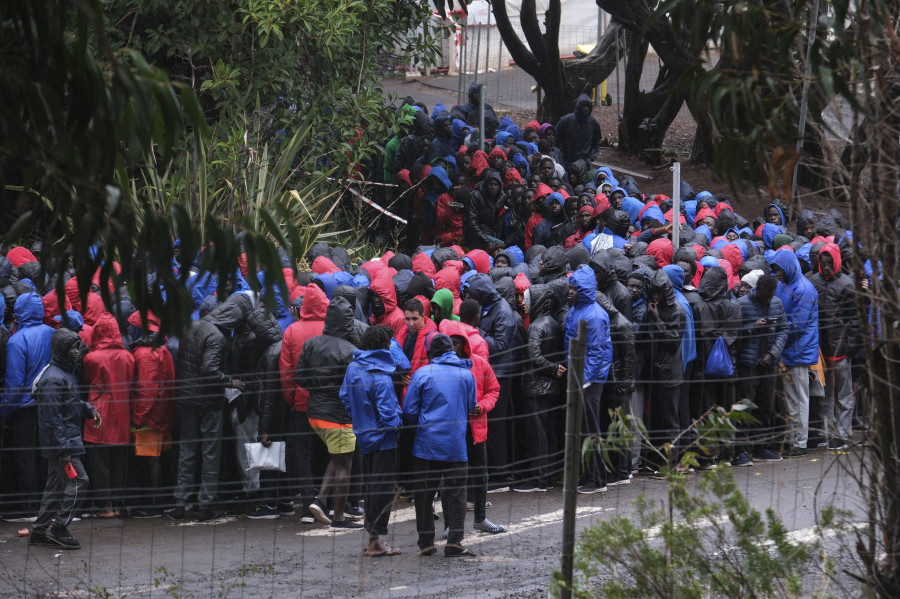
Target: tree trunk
589, 72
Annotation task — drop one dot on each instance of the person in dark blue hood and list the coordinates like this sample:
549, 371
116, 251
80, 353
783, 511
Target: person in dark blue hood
549, 231
775, 215
578, 134
443, 131
469, 112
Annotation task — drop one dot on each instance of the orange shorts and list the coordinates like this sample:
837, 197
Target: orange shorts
151, 443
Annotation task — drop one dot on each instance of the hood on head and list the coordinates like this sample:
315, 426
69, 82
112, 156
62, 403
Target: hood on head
232, 312
422, 263
652, 212
663, 284
582, 100
661, 249
577, 255
555, 261
769, 233
323, 264
787, 261
784, 220
29, 309
444, 298
383, 285
481, 289
480, 259
315, 303
447, 278
339, 319
514, 255
585, 283
543, 301
676, 275
438, 345
714, 284
835, 252
441, 175
106, 334
454, 327
400, 262
61, 344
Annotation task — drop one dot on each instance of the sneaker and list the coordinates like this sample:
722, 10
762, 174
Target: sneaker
615, 481
488, 527
264, 512
446, 533
837, 444
61, 537
498, 489
319, 512
470, 506
175, 513
19, 519
458, 551
529, 488
307, 517
345, 525
741, 461
285, 508
209, 516
591, 488
795, 452
764, 455
40, 539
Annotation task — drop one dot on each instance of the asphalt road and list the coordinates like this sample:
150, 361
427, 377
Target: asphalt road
237, 557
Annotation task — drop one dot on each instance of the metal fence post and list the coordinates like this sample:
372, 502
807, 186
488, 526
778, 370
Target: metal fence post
573, 455
481, 135
676, 204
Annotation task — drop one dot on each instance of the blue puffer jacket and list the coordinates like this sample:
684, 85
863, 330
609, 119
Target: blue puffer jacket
801, 305
27, 352
497, 326
598, 353
368, 396
438, 400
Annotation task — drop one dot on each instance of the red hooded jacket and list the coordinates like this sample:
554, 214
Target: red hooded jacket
153, 395
448, 278
662, 251
322, 265
311, 323
422, 263
109, 375
383, 285
487, 388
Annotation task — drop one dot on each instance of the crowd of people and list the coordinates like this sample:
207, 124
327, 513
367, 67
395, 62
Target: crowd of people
440, 371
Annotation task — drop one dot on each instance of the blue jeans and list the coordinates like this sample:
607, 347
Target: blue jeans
200, 438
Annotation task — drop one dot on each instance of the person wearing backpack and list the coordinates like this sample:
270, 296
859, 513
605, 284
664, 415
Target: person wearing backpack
717, 333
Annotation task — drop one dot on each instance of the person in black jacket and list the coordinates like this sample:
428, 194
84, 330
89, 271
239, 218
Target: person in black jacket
543, 387
275, 501
660, 335
719, 315
201, 381
609, 285
320, 370
619, 386
61, 416
764, 332
481, 221
579, 133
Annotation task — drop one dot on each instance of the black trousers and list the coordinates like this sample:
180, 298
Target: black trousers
429, 474
498, 421
539, 428
300, 446
380, 468
757, 383
107, 465
663, 422
592, 425
30, 468
477, 476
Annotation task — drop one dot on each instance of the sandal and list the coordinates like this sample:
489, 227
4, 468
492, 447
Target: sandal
386, 552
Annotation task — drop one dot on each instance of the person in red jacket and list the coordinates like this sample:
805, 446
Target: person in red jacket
152, 409
109, 376
487, 390
383, 299
310, 324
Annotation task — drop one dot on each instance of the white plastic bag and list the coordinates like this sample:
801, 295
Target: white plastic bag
260, 457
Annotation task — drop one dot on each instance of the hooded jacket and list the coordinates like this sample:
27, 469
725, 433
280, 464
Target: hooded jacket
661, 340
482, 216
598, 351
444, 299
719, 315
487, 388
368, 396
323, 364
554, 264
383, 285
264, 384
550, 231
27, 352
438, 402
61, 411
470, 111
757, 341
109, 375
545, 345
578, 136
311, 323
608, 283
689, 340
621, 332
200, 368
153, 394
839, 333
448, 278
497, 326
801, 306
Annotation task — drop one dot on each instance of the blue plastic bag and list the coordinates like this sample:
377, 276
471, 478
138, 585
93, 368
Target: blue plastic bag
718, 364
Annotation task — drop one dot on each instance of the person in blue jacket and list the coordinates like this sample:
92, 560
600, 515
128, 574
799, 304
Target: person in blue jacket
368, 396
597, 360
801, 306
27, 353
438, 401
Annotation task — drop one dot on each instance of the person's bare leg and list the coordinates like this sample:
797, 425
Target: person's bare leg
327, 488
340, 482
